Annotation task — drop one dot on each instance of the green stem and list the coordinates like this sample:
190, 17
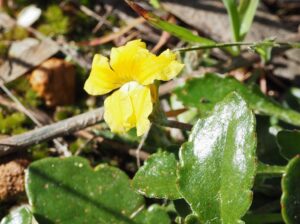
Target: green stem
232, 44
265, 169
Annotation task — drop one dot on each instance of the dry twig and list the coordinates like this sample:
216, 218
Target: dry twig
64, 127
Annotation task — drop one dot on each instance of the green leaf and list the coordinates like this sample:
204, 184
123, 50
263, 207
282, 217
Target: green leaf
20, 215
247, 10
157, 178
217, 164
290, 199
68, 191
153, 215
204, 92
177, 31
289, 143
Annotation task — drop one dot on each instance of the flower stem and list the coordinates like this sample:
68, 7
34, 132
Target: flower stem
233, 44
266, 169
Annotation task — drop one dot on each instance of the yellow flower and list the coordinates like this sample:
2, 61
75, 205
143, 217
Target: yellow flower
132, 69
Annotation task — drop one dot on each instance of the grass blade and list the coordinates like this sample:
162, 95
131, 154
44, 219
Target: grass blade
178, 31
247, 11
232, 10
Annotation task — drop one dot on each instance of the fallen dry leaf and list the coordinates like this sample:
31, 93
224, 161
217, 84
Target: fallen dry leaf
54, 80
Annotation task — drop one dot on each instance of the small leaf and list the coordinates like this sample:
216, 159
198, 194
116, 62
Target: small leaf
217, 164
153, 215
289, 143
21, 215
206, 91
68, 191
290, 199
157, 178
264, 49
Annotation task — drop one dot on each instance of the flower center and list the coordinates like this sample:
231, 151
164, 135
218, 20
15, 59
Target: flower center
129, 86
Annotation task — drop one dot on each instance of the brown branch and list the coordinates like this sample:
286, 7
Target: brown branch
178, 125
64, 127
45, 119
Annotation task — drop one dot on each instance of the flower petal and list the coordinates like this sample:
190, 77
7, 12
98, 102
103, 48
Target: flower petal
126, 60
118, 112
142, 105
102, 78
129, 107
133, 62
163, 67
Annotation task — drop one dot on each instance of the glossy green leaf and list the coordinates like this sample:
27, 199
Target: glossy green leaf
217, 164
153, 215
21, 215
289, 143
65, 191
204, 92
290, 199
177, 31
157, 178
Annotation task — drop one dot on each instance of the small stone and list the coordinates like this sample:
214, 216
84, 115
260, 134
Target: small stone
12, 178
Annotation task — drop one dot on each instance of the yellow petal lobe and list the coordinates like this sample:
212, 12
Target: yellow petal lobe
102, 78
142, 104
163, 67
129, 107
133, 62
126, 60
118, 112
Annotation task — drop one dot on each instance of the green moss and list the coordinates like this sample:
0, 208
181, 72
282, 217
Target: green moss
39, 151
55, 22
3, 49
64, 112
12, 124
80, 144
23, 88
17, 33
